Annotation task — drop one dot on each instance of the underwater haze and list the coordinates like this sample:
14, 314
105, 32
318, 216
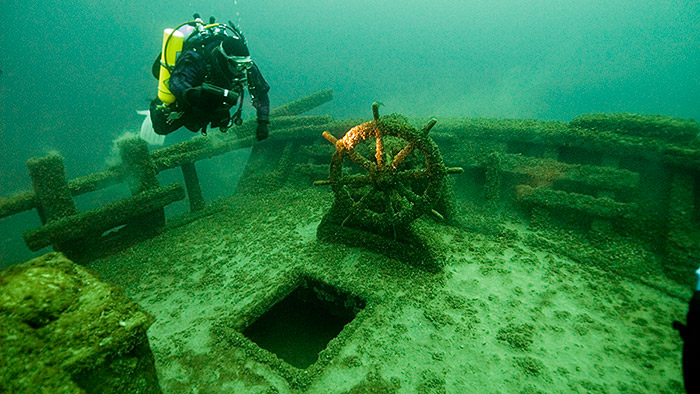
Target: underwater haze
74, 73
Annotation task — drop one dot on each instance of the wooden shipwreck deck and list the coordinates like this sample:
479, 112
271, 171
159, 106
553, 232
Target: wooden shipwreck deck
567, 254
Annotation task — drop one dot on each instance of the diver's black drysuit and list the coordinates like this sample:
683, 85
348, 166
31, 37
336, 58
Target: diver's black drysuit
197, 81
690, 333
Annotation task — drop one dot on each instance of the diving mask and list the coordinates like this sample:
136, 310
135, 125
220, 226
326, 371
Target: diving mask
236, 64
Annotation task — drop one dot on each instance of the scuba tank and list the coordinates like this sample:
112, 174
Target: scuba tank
189, 35
172, 46
197, 36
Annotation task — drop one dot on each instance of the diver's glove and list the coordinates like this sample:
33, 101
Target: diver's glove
262, 131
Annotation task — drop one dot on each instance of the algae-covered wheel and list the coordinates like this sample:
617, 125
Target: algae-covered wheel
386, 173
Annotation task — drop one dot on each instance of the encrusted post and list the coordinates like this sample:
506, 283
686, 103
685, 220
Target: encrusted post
50, 187
492, 184
599, 226
53, 197
65, 331
141, 175
194, 190
681, 250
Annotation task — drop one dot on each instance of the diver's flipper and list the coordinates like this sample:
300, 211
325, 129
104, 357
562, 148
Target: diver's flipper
147, 133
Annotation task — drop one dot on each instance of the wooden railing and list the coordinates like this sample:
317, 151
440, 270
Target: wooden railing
71, 231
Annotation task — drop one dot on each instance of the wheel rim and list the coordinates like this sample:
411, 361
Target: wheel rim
399, 179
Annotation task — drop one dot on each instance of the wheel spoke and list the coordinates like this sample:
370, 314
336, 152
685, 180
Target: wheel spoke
412, 175
390, 210
375, 110
389, 205
428, 126
402, 155
356, 180
360, 160
408, 194
379, 154
357, 207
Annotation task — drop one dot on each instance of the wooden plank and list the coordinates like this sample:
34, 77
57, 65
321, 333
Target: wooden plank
20, 202
104, 218
601, 207
606, 178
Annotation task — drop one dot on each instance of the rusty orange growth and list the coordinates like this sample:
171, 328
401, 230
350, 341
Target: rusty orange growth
353, 137
385, 198
330, 137
358, 134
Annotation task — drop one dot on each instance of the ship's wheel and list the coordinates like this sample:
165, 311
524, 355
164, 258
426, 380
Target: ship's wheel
393, 174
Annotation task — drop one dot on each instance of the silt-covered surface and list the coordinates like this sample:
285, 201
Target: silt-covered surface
504, 316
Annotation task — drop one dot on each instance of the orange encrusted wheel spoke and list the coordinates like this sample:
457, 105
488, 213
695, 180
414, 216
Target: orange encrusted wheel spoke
379, 154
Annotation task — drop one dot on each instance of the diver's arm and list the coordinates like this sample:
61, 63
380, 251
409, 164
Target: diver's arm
258, 88
208, 96
188, 86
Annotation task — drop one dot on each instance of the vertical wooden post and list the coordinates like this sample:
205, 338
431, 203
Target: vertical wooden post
140, 171
604, 227
681, 250
51, 188
493, 179
141, 176
194, 190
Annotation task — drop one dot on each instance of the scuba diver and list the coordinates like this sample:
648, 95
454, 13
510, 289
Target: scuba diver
690, 333
203, 72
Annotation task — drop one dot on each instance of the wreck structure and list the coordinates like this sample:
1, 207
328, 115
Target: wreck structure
423, 252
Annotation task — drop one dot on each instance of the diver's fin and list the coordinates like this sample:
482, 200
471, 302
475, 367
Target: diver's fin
147, 133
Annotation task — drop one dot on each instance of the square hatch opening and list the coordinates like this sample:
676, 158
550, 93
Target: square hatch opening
297, 328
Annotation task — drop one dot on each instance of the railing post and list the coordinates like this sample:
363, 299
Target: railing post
681, 247
140, 174
493, 179
52, 195
194, 190
51, 187
599, 226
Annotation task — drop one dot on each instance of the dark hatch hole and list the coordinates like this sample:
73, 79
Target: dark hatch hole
300, 326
